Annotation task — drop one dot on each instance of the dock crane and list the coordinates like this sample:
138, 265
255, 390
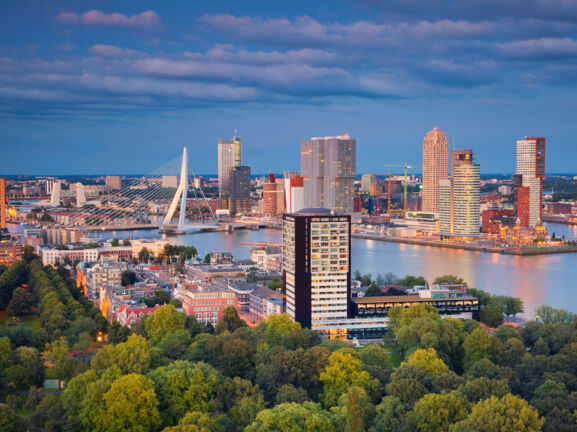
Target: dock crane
406, 167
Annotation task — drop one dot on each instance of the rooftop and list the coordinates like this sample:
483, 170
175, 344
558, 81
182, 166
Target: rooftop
315, 211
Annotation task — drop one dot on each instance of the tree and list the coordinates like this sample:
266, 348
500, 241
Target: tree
355, 402
22, 302
144, 255
8, 419
230, 321
49, 414
206, 259
380, 280
449, 279
427, 360
125, 242
373, 291
117, 333
115, 242
376, 361
509, 413
59, 352
482, 388
277, 327
128, 277
343, 371
491, 315
165, 320
390, 278
548, 315
436, 412
46, 218
132, 356
183, 387
410, 281
131, 405
289, 417
289, 393
477, 345
512, 306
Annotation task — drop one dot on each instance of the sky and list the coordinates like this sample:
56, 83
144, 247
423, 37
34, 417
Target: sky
119, 87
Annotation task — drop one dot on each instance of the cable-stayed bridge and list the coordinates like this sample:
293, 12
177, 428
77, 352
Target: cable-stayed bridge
169, 200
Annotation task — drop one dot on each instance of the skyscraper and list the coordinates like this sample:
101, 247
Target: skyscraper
459, 197
2, 203
269, 196
316, 266
229, 157
239, 201
369, 184
435, 168
328, 167
531, 168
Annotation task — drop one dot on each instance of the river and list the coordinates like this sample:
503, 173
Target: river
538, 280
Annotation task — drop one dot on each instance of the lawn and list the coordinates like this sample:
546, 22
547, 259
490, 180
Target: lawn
31, 321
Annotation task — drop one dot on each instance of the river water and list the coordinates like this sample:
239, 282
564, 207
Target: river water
538, 280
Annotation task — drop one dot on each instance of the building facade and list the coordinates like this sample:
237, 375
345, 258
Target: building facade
316, 266
328, 167
459, 197
229, 157
435, 168
531, 168
112, 182
240, 191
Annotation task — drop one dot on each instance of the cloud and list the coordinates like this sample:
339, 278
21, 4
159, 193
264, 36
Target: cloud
307, 32
143, 21
545, 48
113, 51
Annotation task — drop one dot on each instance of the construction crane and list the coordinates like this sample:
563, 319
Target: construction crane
406, 167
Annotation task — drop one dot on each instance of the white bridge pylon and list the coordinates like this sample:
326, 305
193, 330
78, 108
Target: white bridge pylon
181, 195
181, 192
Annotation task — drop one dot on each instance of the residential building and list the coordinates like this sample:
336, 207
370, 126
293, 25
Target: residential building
459, 197
316, 266
264, 302
328, 167
113, 182
206, 303
267, 258
531, 168
10, 251
129, 315
492, 219
155, 247
435, 168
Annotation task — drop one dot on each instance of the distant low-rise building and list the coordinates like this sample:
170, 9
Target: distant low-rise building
155, 247
267, 258
129, 315
10, 251
264, 302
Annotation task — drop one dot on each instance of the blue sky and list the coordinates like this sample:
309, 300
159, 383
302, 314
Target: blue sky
119, 87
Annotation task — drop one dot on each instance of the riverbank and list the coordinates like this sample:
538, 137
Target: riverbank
521, 251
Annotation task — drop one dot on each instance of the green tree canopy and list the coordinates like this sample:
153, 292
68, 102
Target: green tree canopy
436, 412
130, 405
165, 320
427, 360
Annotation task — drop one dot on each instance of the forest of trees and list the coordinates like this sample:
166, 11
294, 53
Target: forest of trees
170, 373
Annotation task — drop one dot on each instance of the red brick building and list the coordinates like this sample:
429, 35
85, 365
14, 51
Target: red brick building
206, 303
492, 219
10, 251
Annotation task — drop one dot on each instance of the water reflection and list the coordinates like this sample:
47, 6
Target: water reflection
546, 279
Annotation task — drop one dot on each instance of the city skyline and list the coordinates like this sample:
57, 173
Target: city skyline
110, 83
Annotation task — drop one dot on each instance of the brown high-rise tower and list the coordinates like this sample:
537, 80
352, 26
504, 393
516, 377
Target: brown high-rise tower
435, 168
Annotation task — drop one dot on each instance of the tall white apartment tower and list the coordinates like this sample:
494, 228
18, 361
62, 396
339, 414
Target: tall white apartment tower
459, 197
435, 168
